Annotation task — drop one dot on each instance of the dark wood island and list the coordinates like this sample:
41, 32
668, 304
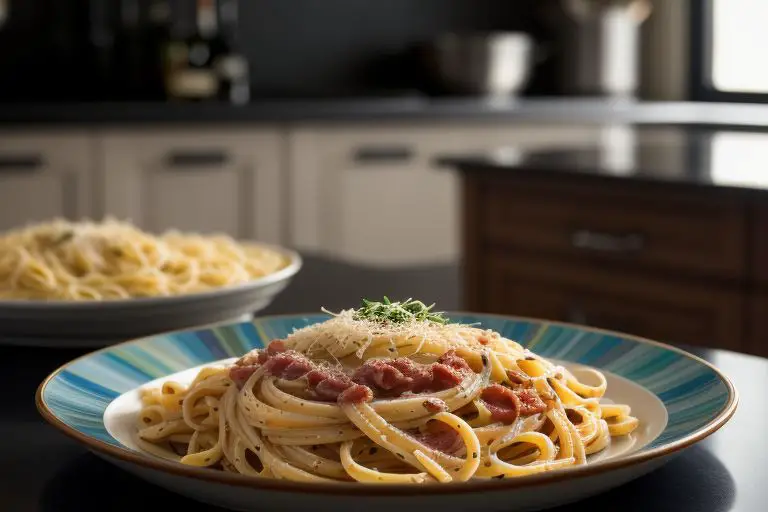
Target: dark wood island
663, 245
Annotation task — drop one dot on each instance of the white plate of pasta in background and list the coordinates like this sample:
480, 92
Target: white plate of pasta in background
390, 402
89, 284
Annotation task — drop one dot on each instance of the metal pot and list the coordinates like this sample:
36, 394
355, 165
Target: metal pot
601, 46
493, 64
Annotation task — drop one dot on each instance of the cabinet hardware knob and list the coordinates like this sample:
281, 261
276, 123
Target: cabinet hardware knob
186, 159
607, 242
21, 162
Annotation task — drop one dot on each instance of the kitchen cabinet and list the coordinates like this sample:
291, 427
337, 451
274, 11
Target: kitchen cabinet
43, 176
640, 303
668, 229
372, 194
203, 180
680, 264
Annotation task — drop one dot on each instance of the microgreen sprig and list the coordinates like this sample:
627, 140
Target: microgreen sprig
387, 311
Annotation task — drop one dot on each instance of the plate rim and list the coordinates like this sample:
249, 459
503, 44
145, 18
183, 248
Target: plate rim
351, 488
295, 263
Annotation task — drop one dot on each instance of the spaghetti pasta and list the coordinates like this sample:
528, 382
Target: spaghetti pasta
367, 397
64, 260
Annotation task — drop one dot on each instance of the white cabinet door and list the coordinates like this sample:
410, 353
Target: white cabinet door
226, 181
45, 176
372, 194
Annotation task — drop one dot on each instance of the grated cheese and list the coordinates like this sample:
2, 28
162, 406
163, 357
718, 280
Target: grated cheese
343, 334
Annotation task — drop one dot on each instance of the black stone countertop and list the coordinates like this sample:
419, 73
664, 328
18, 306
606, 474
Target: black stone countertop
724, 159
44, 471
573, 110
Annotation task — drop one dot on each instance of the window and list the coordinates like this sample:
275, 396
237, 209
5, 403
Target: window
729, 40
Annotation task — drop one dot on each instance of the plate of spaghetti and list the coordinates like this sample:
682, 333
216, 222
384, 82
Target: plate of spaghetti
92, 283
390, 400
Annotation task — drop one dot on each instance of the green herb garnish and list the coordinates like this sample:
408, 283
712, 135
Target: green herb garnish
387, 311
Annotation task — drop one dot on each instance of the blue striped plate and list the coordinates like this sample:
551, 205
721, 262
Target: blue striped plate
698, 398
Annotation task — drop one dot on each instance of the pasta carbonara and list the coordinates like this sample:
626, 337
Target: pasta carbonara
388, 393
64, 260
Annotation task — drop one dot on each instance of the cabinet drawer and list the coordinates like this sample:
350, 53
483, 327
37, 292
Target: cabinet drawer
43, 176
208, 181
691, 231
669, 311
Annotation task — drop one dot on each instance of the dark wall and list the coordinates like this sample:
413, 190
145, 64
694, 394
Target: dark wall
335, 45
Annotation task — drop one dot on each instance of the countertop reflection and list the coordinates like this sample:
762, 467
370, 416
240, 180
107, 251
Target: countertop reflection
730, 159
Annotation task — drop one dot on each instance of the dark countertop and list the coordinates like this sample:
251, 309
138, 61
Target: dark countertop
43, 471
566, 110
726, 159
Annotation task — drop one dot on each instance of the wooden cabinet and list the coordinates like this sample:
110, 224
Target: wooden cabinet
372, 194
662, 229
668, 263
228, 181
632, 302
43, 176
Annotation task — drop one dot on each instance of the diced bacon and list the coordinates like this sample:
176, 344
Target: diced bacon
327, 384
506, 404
260, 356
247, 364
434, 405
276, 347
530, 402
501, 402
384, 378
381, 375
288, 365
356, 394
440, 437
420, 375
398, 376
443, 377
406, 366
454, 361
240, 374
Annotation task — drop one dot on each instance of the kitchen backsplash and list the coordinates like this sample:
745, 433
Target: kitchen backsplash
338, 45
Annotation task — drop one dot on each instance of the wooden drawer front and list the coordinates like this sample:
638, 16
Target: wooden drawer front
700, 234
759, 325
666, 311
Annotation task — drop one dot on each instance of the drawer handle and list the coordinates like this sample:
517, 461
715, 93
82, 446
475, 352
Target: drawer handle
190, 159
21, 163
607, 242
381, 154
